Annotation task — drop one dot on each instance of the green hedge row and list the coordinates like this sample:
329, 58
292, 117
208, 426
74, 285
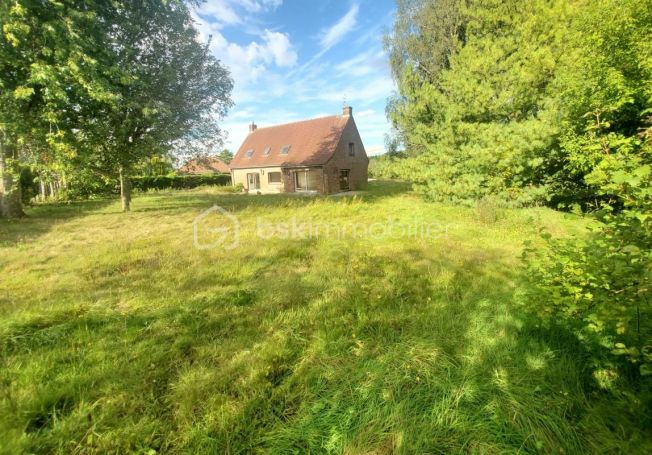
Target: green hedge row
177, 182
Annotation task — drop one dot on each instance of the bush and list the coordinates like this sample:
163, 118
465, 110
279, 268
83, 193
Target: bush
488, 209
601, 286
178, 182
384, 166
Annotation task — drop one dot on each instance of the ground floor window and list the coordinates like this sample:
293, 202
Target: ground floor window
274, 177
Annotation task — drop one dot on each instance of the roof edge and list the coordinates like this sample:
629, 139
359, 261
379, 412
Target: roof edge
294, 122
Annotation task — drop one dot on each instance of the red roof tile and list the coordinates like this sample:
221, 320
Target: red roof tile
312, 143
205, 165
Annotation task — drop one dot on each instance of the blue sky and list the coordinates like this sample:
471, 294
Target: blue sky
298, 59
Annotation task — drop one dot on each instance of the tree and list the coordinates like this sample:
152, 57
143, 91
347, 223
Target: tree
474, 116
41, 65
131, 86
171, 90
225, 155
499, 107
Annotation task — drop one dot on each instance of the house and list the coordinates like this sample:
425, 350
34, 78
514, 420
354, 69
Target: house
323, 155
205, 165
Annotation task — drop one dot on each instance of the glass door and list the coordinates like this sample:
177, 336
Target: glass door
253, 181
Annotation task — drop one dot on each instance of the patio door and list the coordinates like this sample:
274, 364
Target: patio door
253, 181
307, 180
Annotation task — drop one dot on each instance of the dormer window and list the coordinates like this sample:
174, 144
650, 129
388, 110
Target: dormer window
267, 150
249, 153
285, 150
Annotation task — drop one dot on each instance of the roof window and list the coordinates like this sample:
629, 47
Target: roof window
249, 153
285, 150
267, 150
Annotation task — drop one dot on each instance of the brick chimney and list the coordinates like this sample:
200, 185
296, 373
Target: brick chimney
252, 127
348, 111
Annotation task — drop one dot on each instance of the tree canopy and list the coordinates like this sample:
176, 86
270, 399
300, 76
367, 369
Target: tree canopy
105, 85
495, 105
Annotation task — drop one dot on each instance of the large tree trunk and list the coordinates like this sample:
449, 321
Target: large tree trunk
11, 204
125, 190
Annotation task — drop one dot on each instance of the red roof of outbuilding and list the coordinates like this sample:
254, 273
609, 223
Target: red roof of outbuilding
204, 165
312, 143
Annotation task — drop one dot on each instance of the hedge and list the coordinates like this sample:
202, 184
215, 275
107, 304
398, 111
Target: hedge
177, 182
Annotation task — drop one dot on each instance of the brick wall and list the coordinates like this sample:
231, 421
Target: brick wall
357, 165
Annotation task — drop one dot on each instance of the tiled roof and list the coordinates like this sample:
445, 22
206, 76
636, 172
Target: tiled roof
311, 143
205, 165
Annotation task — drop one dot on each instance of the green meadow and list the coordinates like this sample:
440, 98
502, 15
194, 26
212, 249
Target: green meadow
118, 335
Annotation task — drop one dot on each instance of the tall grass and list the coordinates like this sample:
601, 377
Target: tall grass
116, 335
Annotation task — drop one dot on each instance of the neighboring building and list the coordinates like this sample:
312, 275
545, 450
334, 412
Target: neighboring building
323, 155
205, 165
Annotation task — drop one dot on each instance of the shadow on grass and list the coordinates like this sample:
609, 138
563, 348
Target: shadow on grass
40, 218
180, 201
304, 348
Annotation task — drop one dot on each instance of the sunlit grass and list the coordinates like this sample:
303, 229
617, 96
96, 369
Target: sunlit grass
118, 335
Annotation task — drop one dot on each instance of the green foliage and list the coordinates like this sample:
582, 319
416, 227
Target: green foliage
176, 182
155, 165
476, 122
384, 167
225, 155
135, 85
528, 93
602, 285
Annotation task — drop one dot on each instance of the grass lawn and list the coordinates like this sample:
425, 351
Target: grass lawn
118, 335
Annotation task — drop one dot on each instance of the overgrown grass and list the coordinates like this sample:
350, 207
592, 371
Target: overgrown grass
117, 335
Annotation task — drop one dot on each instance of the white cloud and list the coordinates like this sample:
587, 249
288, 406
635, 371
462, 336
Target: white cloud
375, 150
365, 113
248, 62
369, 62
258, 6
233, 12
220, 10
279, 48
334, 34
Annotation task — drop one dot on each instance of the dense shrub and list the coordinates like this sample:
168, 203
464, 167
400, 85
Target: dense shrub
86, 184
385, 166
602, 285
178, 182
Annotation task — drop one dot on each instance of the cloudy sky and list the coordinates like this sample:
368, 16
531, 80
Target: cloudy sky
298, 59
